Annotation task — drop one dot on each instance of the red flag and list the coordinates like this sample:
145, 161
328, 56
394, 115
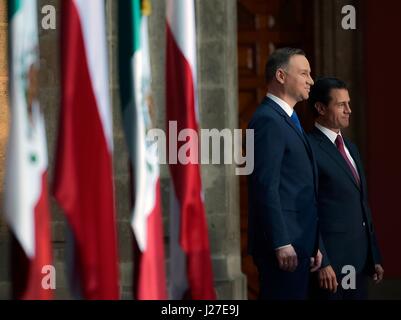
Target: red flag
191, 271
83, 178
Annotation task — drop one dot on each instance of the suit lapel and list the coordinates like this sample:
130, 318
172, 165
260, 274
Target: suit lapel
278, 109
332, 151
300, 134
294, 127
314, 164
357, 163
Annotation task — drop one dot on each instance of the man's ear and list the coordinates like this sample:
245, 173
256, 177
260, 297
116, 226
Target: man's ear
280, 75
320, 108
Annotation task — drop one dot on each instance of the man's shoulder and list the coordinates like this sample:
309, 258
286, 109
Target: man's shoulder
314, 135
317, 139
264, 112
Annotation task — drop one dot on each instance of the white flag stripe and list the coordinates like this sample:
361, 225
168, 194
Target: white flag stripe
179, 13
93, 24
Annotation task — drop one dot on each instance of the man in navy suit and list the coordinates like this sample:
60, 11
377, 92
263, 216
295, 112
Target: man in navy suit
282, 226
347, 233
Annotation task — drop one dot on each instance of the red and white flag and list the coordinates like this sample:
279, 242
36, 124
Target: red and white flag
26, 192
190, 262
84, 177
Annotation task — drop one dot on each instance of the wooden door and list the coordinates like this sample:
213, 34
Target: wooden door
263, 26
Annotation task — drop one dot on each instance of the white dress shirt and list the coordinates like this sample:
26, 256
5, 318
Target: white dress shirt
284, 105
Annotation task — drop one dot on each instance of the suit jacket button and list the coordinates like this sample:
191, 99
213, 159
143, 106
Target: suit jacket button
363, 223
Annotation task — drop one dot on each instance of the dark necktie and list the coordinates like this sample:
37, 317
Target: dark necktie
296, 121
341, 149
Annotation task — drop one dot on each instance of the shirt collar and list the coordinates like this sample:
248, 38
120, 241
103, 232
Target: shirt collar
328, 133
283, 105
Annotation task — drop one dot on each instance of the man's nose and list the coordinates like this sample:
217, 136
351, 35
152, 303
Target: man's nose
310, 80
348, 108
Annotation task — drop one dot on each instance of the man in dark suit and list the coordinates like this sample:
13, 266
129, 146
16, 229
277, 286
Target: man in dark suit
282, 228
347, 233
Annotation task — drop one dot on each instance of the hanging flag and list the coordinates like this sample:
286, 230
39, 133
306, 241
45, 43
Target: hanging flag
190, 263
83, 183
26, 192
136, 102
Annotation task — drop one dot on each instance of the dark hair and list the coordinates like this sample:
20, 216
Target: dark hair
320, 91
279, 59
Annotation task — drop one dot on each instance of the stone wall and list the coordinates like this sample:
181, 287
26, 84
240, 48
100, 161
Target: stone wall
218, 103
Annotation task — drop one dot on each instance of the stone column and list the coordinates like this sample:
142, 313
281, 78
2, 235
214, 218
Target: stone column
121, 162
218, 104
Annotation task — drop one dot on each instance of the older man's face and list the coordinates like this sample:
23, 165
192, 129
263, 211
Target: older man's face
298, 80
